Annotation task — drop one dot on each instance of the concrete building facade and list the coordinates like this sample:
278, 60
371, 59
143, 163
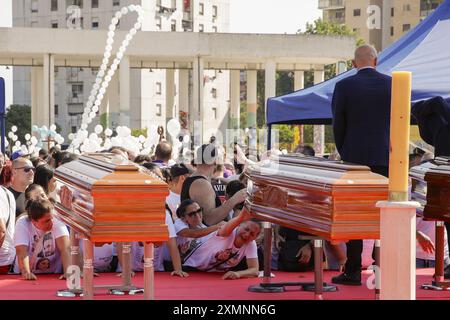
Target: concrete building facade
155, 94
378, 22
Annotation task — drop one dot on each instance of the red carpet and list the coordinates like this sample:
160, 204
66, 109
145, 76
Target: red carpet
201, 286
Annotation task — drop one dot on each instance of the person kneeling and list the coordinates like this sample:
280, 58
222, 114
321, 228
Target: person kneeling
227, 247
41, 240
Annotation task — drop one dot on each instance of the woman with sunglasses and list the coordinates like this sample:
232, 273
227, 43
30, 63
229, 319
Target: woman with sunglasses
191, 232
39, 235
227, 247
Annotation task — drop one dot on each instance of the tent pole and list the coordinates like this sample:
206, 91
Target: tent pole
269, 137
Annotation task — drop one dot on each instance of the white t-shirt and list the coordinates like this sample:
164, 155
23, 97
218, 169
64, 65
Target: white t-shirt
7, 211
173, 200
103, 257
48, 260
188, 245
208, 256
137, 250
429, 228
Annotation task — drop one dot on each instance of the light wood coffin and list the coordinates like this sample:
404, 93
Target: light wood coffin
330, 199
113, 200
431, 187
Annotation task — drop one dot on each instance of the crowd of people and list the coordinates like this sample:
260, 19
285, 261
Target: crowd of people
209, 228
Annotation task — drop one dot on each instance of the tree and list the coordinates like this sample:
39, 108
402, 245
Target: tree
19, 116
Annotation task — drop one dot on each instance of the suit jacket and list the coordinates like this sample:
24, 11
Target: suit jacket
433, 118
361, 109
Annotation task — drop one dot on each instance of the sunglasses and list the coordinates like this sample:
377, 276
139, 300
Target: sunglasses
26, 169
193, 213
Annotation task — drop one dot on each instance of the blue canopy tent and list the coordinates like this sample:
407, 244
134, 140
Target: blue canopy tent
425, 51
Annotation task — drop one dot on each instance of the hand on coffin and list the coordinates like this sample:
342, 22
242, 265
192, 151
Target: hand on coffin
304, 254
245, 215
239, 197
66, 197
180, 273
425, 242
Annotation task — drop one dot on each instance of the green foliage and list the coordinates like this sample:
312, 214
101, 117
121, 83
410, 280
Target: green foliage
138, 132
19, 116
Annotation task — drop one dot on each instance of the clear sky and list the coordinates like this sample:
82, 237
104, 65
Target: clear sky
272, 16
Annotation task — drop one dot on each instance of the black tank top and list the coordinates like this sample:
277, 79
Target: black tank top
187, 187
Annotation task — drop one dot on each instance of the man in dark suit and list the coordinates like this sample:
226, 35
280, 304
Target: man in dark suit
361, 121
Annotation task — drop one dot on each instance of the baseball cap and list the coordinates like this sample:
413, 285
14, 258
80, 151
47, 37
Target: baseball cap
178, 170
18, 154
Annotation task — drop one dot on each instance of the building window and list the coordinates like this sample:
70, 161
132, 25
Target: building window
201, 9
54, 24
201, 28
406, 27
94, 4
357, 12
173, 25
94, 23
78, 3
158, 3
174, 4
56, 110
214, 12
158, 110
214, 28
54, 5
406, 7
34, 6
158, 88
392, 31
158, 23
214, 110
73, 129
214, 92
77, 90
339, 15
392, 12
116, 3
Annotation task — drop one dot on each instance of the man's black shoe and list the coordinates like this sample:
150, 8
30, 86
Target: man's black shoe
347, 279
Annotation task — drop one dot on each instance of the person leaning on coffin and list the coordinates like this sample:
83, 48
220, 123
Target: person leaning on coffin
361, 108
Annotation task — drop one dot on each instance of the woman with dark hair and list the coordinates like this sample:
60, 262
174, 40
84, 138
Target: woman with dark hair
44, 177
39, 235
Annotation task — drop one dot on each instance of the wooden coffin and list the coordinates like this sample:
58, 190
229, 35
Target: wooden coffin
112, 200
326, 198
431, 187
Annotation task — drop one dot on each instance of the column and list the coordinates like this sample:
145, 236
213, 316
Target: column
170, 94
124, 85
235, 99
110, 107
183, 98
270, 82
43, 92
196, 113
252, 101
386, 23
319, 131
299, 84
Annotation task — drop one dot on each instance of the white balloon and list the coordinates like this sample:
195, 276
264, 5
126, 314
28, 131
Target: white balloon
173, 127
53, 127
118, 14
34, 140
119, 54
103, 68
137, 25
132, 7
98, 129
133, 31
100, 97
10, 134
14, 149
27, 137
108, 79
186, 139
128, 37
92, 115
124, 10
95, 109
14, 129
71, 136
14, 138
108, 132
101, 73
110, 73
102, 90
18, 144
114, 20
141, 138
84, 126
6, 143
114, 67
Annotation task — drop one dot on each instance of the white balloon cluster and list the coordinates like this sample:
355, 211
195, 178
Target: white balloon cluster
104, 75
34, 142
